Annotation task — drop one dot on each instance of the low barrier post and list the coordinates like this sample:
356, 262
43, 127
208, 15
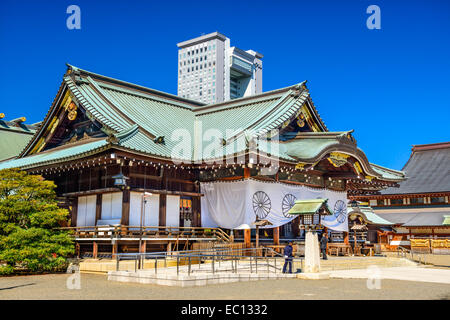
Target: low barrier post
189, 266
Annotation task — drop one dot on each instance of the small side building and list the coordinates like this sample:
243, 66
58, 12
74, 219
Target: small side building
419, 208
14, 136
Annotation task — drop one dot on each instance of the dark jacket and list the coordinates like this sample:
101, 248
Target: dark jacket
323, 242
288, 251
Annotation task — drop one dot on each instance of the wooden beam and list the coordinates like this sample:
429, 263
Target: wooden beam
165, 192
89, 192
152, 177
155, 191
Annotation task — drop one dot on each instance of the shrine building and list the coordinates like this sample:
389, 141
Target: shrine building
134, 165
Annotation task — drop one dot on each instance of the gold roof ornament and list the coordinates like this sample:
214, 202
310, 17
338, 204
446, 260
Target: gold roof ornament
338, 159
72, 111
300, 166
2, 115
68, 102
300, 120
19, 120
357, 167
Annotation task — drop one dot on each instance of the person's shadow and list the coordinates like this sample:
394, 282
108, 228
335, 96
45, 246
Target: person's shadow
22, 285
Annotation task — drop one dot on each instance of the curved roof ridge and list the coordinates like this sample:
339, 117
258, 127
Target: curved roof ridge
250, 98
136, 86
131, 131
430, 146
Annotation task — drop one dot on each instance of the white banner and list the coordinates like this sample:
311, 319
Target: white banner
232, 205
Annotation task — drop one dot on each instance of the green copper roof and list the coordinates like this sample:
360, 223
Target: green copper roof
309, 146
12, 143
55, 155
13, 138
310, 206
136, 116
369, 215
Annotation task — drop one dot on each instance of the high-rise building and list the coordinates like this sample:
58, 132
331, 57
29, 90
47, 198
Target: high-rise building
211, 71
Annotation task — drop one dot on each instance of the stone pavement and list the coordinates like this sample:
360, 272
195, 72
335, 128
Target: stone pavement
396, 273
96, 287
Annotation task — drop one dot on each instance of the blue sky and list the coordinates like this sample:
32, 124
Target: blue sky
392, 86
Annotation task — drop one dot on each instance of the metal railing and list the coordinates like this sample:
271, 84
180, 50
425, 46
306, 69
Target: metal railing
409, 254
252, 259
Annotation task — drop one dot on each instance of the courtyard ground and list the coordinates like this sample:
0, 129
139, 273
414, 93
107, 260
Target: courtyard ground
95, 286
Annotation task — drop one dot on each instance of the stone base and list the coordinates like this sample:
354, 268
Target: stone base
313, 276
199, 279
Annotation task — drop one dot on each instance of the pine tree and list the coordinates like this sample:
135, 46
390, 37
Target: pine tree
30, 238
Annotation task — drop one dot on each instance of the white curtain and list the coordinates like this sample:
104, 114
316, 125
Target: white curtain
173, 211
112, 206
232, 204
86, 211
151, 217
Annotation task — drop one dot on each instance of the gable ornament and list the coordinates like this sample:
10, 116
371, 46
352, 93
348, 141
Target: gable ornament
338, 159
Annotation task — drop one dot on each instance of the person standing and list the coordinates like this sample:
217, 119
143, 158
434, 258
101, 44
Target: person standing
288, 250
323, 245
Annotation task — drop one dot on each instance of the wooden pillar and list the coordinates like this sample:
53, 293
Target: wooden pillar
197, 222
247, 238
77, 250
143, 247
325, 230
276, 235
95, 250
346, 238
74, 213
257, 237
115, 249
162, 209
98, 208
246, 173
125, 207
295, 226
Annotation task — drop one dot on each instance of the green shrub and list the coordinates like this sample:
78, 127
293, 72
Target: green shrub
29, 218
